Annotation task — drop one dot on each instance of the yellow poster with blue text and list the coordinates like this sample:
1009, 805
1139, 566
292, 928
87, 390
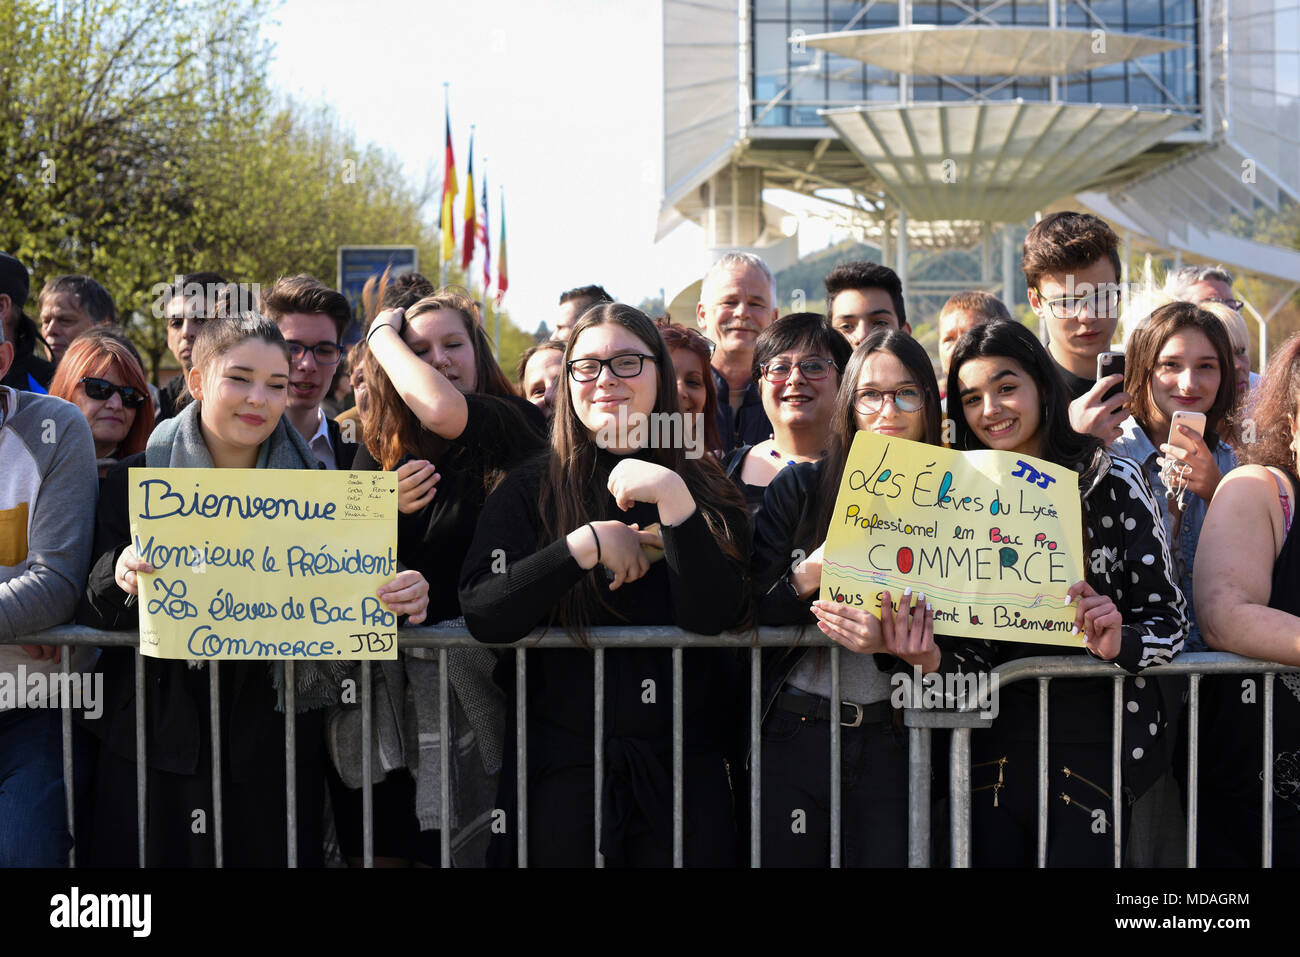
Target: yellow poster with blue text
265, 563
993, 539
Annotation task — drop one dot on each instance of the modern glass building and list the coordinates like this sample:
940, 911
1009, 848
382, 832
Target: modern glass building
943, 126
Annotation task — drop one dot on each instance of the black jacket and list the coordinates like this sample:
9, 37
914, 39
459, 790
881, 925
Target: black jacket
344, 452
747, 425
170, 397
1127, 557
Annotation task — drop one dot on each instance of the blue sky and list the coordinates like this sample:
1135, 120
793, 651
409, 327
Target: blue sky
566, 95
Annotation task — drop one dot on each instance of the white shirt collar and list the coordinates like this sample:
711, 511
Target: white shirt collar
320, 443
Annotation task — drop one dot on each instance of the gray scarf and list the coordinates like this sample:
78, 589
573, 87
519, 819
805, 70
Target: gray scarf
178, 443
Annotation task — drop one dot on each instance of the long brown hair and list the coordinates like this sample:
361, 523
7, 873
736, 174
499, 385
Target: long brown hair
574, 494
1275, 402
391, 428
1144, 347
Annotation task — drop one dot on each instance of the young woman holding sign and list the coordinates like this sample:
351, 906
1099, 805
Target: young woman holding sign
563, 541
1005, 394
889, 388
240, 379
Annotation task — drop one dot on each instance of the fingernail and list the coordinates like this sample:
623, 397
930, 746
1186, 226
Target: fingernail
920, 597
1069, 599
927, 606
1074, 629
907, 592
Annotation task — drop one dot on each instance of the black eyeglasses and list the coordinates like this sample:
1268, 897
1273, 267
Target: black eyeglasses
325, 353
812, 368
626, 366
1104, 304
871, 401
97, 389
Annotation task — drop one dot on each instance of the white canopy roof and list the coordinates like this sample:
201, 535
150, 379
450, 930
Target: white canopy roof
995, 161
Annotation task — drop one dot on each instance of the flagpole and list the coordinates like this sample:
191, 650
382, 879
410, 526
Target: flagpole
487, 231
446, 112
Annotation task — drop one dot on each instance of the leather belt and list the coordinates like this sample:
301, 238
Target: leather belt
852, 715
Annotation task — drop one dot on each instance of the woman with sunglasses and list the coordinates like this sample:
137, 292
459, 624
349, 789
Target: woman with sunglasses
101, 376
889, 388
563, 542
239, 380
797, 364
1004, 393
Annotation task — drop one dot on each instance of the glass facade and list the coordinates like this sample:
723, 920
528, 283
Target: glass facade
812, 79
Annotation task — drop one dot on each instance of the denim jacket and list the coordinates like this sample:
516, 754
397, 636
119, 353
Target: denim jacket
1135, 444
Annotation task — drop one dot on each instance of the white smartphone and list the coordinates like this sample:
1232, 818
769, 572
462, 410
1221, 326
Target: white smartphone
1193, 420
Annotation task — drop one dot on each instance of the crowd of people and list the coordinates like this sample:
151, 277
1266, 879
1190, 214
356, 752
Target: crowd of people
527, 504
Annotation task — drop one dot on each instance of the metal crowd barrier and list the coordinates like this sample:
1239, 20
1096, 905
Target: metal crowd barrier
918, 721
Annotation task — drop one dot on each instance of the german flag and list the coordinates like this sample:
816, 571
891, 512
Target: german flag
467, 246
449, 193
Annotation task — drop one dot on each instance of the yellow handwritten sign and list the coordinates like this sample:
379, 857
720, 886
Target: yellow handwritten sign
265, 563
993, 539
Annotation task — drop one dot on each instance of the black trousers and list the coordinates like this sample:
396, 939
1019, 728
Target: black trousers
562, 813
1004, 803
1230, 815
796, 769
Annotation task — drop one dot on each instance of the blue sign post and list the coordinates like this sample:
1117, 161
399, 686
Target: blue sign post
359, 263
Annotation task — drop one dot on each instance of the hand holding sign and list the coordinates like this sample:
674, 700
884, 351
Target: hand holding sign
856, 629
909, 631
128, 569
1098, 619
407, 594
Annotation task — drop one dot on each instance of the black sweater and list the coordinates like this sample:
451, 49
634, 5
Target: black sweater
500, 432
696, 586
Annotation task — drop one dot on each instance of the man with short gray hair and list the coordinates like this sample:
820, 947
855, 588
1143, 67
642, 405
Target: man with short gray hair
1202, 284
737, 302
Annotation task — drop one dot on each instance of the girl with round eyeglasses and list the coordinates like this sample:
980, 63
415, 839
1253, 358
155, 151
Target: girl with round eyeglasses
888, 388
566, 542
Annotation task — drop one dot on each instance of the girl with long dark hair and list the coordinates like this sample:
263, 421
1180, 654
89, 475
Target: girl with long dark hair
1004, 393
564, 542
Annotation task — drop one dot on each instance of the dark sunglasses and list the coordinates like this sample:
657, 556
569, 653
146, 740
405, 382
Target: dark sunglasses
132, 397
